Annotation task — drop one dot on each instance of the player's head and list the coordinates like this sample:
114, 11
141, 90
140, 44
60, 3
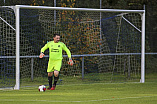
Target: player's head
56, 38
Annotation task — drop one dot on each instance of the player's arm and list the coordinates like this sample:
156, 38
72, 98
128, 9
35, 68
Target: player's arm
42, 51
68, 53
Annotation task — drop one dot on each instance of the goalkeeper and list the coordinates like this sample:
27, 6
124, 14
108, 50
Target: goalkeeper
55, 59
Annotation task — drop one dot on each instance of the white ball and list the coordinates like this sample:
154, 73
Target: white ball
42, 88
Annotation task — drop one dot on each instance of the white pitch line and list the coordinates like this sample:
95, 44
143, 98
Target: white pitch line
77, 101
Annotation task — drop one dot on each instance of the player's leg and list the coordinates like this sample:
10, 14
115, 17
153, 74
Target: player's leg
50, 70
56, 72
56, 77
50, 74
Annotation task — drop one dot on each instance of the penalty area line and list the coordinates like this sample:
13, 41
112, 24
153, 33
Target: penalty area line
10, 100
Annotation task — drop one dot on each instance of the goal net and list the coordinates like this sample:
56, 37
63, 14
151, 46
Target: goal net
105, 47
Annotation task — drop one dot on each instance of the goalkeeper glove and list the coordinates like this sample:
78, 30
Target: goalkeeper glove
41, 55
70, 62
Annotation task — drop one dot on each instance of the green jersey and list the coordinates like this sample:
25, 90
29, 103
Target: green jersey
55, 50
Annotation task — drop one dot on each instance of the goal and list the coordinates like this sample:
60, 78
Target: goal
105, 48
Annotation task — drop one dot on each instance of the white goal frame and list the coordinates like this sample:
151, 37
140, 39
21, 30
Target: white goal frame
17, 14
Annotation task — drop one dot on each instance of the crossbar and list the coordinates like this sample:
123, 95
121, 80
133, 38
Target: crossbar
78, 9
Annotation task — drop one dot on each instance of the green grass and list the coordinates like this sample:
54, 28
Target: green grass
95, 93
77, 79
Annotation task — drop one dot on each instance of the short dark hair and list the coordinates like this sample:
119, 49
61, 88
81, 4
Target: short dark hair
54, 35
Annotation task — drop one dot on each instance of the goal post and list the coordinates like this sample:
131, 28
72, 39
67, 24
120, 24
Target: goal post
143, 50
121, 50
17, 14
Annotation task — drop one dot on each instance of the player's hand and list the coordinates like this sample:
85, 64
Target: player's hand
70, 62
41, 55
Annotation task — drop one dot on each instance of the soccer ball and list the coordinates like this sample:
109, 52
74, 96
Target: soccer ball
42, 88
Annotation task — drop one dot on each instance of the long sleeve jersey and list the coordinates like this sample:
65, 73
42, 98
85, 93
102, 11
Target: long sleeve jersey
55, 50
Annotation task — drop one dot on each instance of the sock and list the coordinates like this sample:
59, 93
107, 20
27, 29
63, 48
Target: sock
50, 81
55, 80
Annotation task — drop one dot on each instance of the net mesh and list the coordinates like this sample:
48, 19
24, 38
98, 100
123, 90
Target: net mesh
84, 33
7, 47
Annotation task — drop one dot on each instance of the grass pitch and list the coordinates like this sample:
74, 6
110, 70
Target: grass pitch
96, 93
